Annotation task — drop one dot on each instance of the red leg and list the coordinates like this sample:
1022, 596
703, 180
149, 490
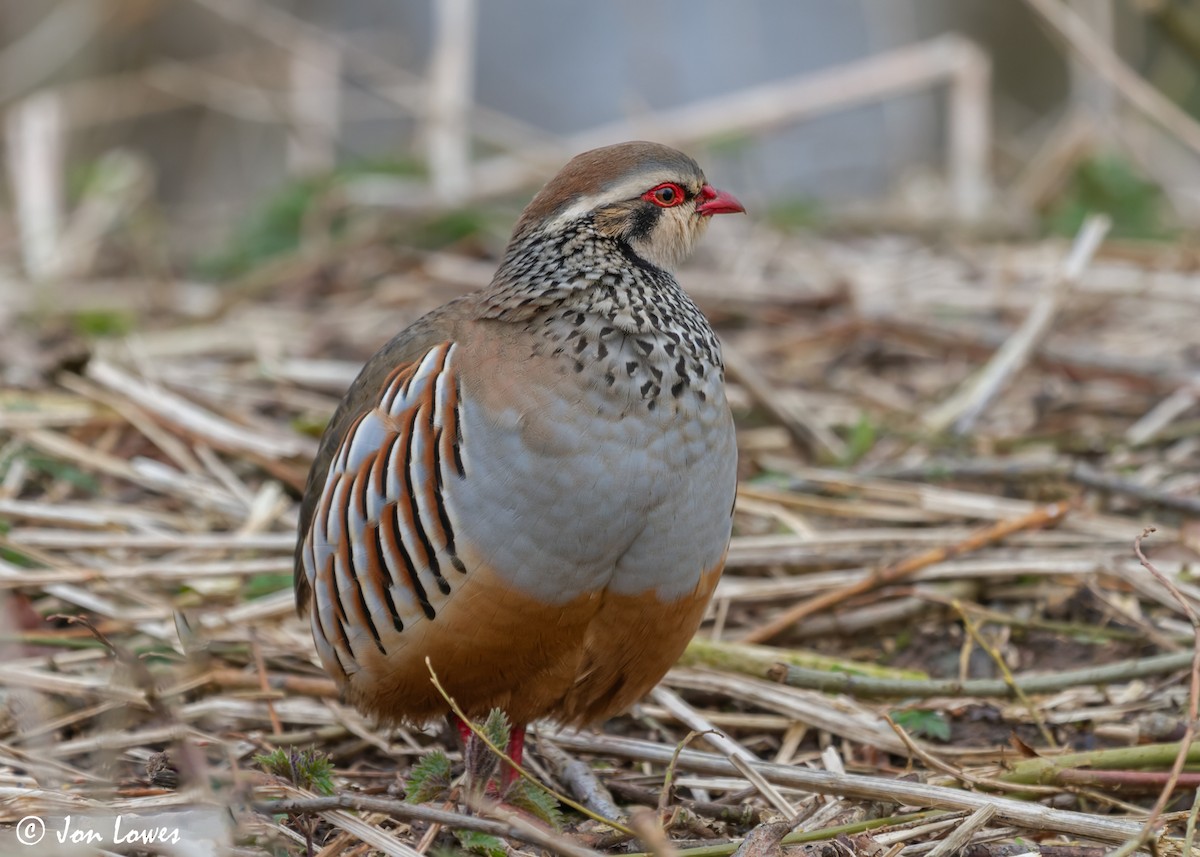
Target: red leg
515, 749
464, 731
516, 752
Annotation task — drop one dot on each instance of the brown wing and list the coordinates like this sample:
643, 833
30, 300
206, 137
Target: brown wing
364, 394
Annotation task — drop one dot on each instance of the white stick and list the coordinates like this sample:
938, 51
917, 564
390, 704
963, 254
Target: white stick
963, 408
735, 752
1161, 415
970, 132
189, 417
315, 72
34, 129
451, 84
122, 181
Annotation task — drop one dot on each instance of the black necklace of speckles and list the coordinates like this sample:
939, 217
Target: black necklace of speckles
575, 284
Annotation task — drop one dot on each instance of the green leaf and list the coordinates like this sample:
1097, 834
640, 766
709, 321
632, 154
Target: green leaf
63, 471
862, 439
443, 229
924, 723
1111, 185
481, 843
101, 323
307, 769
258, 585
321, 777
310, 425
274, 763
274, 229
15, 557
277, 226
525, 795
497, 727
429, 779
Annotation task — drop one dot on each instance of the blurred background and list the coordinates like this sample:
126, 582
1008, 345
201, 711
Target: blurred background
966, 295
213, 194
220, 126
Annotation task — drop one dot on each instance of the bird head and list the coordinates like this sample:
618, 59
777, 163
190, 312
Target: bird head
649, 197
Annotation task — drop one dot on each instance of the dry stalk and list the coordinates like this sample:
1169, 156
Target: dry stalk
1189, 733
966, 406
1041, 517
1019, 813
736, 753
1009, 680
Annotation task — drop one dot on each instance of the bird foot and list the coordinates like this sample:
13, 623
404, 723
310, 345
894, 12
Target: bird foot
488, 775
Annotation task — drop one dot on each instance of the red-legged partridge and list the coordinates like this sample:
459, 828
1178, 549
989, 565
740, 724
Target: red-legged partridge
532, 486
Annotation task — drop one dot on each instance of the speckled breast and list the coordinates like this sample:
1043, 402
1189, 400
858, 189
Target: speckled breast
596, 482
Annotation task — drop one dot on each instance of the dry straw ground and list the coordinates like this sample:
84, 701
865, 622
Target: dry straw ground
933, 632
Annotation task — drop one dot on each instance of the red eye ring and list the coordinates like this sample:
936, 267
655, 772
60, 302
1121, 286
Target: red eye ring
665, 195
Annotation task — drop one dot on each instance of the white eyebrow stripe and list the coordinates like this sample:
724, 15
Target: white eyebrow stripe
626, 190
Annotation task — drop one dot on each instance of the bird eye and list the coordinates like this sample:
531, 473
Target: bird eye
665, 195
